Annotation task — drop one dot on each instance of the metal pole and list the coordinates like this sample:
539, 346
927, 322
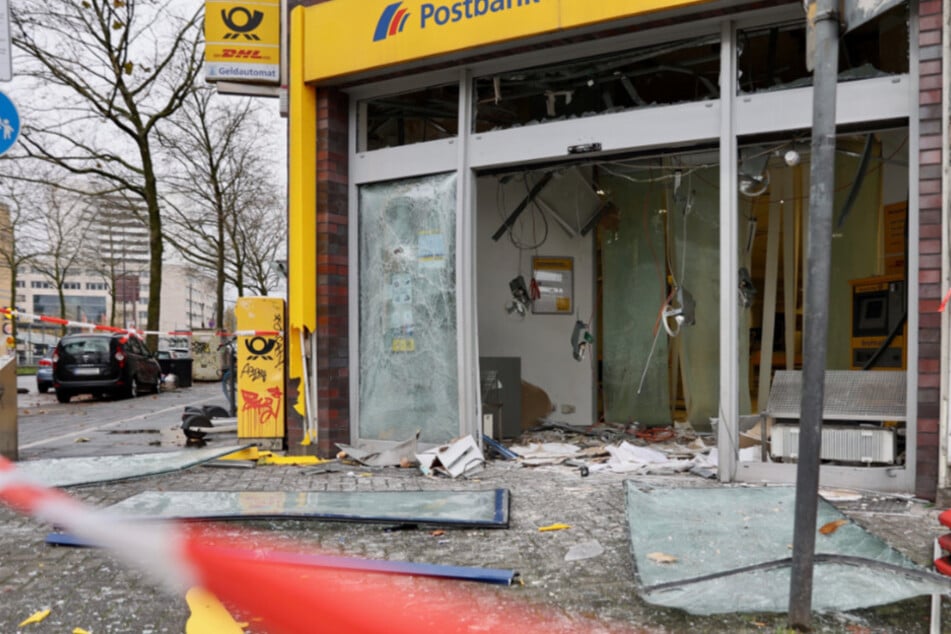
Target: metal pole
816, 325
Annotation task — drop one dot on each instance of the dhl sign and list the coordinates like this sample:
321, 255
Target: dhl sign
243, 41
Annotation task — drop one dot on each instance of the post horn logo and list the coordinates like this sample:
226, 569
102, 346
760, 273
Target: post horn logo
241, 21
392, 21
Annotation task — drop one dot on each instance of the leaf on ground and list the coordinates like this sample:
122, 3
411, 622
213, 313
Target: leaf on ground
831, 527
662, 558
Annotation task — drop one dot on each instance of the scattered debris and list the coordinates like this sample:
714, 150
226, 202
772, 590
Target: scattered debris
498, 448
378, 455
553, 527
208, 616
584, 550
460, 457
662, 558
36, 617
831, 527
545, 453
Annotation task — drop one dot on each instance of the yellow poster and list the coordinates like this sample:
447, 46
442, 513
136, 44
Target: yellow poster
261, 352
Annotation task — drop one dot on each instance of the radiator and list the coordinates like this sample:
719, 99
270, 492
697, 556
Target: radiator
842, 443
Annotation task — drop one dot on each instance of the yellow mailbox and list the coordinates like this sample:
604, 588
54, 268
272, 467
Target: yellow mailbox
261, 353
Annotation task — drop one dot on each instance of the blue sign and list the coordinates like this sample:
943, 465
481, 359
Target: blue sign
9, 124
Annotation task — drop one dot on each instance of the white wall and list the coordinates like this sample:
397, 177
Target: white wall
542, 341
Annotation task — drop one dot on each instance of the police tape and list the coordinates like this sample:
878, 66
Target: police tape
284, 591
68, 323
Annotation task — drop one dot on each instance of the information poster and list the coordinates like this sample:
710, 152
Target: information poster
553, 280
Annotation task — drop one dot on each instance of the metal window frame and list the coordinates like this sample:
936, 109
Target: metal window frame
724, 120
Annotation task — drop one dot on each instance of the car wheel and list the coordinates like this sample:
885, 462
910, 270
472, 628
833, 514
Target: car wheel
63, 396
43, 389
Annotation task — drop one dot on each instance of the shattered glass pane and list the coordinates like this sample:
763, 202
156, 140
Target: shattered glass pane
408, 374
695, 229
467, 508
64, 472
773, 57
632, 261
710, 551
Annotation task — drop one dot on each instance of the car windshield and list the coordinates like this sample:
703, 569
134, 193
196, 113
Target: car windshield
80, 346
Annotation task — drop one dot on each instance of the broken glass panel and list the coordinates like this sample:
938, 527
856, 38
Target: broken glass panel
694, 228
668, 73
414, 117
465, 508
64, 472
408, 373
633, 255
774, 57
711, 551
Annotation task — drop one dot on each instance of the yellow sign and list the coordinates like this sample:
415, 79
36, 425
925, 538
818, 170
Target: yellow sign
261, 398
369, 34
243, 41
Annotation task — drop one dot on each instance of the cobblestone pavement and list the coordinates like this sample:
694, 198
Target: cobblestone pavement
87, 588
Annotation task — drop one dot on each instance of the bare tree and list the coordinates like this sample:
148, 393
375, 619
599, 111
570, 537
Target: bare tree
226, 217
108, 73
18, 232
260, 250
66, 224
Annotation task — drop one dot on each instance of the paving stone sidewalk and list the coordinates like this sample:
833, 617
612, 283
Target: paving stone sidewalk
87, 588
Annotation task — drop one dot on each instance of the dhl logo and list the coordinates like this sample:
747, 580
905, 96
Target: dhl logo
241, 53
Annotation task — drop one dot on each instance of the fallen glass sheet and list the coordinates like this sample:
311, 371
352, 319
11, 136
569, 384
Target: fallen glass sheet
709, 551
66, 472
459, 508
498, 576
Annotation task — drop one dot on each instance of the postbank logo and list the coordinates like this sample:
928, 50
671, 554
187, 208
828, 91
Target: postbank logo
394, 17
391, 22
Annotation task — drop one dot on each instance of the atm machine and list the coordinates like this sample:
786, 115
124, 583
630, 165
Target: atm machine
879, 309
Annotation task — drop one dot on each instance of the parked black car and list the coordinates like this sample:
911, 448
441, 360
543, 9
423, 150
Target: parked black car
44, 374
117, 364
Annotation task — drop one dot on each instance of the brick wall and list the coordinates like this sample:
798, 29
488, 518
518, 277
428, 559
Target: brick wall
333, 352
930, 229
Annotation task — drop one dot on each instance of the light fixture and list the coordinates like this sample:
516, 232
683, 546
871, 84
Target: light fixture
753, 177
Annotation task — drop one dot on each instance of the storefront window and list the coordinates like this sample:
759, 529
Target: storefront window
774, 57
867, 306
413, 117
408, 372
669, 73
660, 245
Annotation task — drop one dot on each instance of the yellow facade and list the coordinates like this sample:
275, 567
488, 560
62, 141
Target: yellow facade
369, 34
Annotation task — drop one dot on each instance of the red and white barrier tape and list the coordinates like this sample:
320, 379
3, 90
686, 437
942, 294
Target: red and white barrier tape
290, 596
16, 314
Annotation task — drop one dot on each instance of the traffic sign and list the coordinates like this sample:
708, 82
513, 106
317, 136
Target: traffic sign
6, 48
9, 124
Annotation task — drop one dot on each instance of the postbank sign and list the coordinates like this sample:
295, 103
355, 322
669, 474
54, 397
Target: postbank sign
351, 36
243, 41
